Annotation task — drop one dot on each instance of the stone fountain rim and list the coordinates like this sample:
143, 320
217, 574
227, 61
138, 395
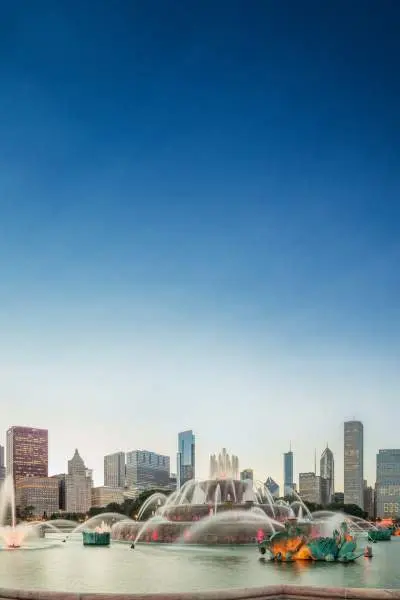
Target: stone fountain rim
281, 592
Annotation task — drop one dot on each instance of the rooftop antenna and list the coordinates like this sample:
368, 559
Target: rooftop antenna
315, 461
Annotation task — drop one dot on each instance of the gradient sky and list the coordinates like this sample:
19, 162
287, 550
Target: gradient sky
199, 226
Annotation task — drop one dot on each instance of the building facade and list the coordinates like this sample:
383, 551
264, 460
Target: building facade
2, 465
288, 480
354, 463
186, 458
247, 474
27, 452
39, 494
312, 487
62, 484
78, 486
369, 500
387, 487
327, 472
103, 495
272, 487
338, 498
114, 470
147, 469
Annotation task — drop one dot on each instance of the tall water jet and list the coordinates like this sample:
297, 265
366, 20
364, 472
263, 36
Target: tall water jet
11, 534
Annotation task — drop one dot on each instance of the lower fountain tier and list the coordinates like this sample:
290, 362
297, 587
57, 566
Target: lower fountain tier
235, 531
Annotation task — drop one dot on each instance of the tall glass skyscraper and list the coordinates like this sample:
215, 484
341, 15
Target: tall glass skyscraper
288, 483
354, 463
388, 483
186, 458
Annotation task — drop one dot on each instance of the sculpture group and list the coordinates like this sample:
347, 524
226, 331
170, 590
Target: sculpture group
296, 543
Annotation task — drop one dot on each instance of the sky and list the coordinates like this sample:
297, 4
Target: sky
199, 227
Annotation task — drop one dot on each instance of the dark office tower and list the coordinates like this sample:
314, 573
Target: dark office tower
288, 481
27, 452
186, 457
354, 463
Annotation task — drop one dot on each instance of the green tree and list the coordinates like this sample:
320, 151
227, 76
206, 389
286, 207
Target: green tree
27, 513
313, 506
349, 509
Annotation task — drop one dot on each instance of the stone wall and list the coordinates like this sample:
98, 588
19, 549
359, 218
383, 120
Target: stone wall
275, 592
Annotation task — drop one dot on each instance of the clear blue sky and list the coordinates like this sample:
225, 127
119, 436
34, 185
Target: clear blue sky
199, 226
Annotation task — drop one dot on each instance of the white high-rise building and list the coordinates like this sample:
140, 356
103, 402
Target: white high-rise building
354, 463
2, 465
114, 470
78, 486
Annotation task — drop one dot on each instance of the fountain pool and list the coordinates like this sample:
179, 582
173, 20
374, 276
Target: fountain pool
156, 568
178, 567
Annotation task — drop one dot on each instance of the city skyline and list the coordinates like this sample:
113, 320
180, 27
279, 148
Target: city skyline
100, 479
199, 228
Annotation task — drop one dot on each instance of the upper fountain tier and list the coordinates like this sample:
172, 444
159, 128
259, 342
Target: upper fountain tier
225, 466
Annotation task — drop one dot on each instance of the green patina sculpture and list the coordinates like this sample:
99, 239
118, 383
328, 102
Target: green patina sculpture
295, 544
381, 534
95, 538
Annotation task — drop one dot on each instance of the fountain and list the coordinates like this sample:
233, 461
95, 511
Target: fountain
226, 510
219, 510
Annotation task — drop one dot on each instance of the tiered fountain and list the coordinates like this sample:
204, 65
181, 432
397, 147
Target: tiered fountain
219, 510
226, 510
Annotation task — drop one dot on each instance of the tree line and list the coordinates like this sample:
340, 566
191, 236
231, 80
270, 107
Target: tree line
130, 507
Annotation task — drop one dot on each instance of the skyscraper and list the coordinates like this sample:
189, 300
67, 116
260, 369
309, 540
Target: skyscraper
78, 485
288, 481
186, 457
327, 472
354, 463
114, 470
311, 487
147, 469
247, 474
388, 484
369, 500
2, 465
27, 452
272, 487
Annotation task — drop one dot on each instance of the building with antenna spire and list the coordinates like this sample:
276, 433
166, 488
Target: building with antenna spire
318, 488
288, 480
